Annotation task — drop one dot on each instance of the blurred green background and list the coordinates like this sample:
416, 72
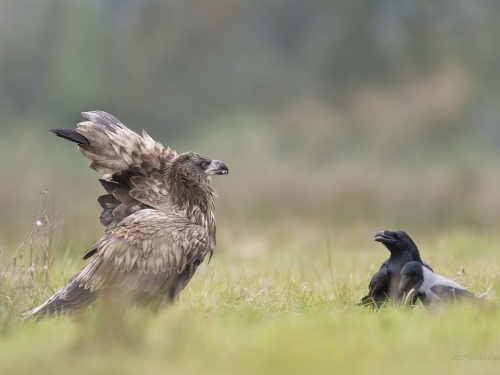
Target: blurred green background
337, 119
332, 116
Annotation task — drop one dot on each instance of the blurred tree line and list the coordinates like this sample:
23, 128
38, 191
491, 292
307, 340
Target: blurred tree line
327, 112
170, 64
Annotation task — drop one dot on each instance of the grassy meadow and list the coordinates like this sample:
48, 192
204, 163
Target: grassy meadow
287, 310
337, 119
295, 254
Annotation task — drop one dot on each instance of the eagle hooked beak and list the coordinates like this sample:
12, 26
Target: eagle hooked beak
217, 167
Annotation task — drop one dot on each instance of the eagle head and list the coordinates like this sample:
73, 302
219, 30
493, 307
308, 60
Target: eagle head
189, 176
196, 167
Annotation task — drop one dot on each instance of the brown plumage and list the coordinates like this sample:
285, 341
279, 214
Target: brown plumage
158, 213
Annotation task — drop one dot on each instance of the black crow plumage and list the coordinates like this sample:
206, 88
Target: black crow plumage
417, 282
384, 284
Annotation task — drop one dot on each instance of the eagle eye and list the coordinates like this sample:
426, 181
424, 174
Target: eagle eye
204, 165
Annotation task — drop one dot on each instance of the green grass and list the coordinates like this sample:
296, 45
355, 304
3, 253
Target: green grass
275, 298
280, 308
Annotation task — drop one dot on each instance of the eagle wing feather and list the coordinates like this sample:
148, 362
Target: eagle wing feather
129, 163
150, 252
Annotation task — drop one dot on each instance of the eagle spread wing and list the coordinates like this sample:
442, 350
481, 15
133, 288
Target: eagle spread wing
155, 236
132, 165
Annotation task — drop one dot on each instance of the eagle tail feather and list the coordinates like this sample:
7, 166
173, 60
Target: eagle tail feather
56, 305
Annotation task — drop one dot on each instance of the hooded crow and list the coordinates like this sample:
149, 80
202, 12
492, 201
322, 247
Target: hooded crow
384, 284
433, 290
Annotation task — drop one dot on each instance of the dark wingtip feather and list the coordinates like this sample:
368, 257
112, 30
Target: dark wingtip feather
89, 254
110, 186
71, 135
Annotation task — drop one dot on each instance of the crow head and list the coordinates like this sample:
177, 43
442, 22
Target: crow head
396, 241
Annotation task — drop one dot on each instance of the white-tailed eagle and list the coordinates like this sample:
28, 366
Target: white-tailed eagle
158, 213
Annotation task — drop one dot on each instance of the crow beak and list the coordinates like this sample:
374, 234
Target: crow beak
384, 237
217, 167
